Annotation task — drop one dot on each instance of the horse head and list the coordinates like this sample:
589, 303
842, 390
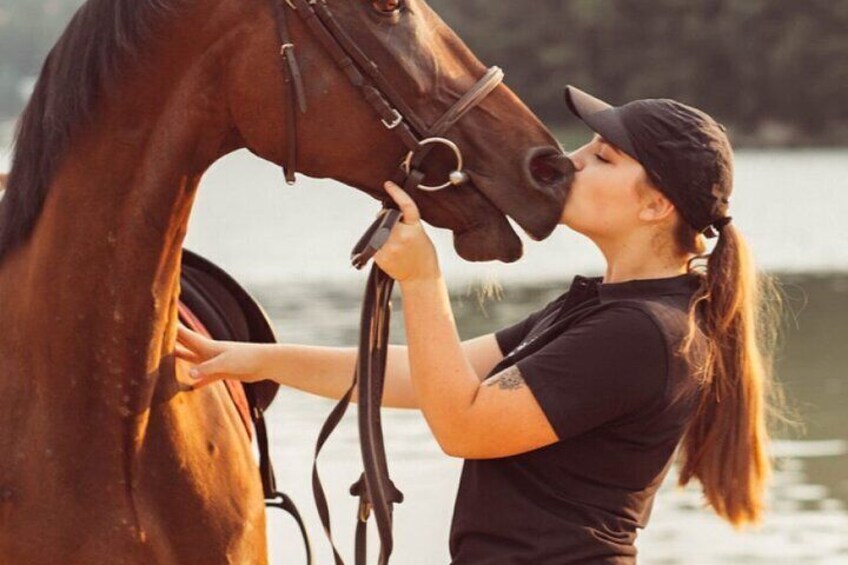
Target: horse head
515, 166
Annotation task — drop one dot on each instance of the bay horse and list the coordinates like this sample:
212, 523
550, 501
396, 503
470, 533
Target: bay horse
104, 457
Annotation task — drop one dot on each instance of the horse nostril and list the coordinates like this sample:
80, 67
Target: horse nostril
548, 166
543, 171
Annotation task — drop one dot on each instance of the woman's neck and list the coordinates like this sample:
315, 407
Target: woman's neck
641, 258
620, 273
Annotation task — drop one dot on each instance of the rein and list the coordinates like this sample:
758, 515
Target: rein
375, 489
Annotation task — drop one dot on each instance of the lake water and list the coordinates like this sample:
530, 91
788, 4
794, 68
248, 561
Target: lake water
290, 246
792, 205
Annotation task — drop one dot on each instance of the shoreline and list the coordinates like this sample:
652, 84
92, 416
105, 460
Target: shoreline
767, 137
463, 288
770, 136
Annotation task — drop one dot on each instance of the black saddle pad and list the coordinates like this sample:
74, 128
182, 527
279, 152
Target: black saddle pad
228, 311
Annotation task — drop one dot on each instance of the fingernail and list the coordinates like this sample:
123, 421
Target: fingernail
194, 373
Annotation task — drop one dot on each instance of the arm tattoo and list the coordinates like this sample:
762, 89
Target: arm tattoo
508, 379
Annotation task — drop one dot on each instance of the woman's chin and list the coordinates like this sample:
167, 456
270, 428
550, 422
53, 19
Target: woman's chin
570, 224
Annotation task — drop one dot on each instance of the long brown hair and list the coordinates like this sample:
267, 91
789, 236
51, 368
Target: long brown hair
737, 308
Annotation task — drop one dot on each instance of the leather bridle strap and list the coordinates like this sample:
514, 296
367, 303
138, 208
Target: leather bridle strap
355, 65
365, 75
293, 93
350, 49
485, 86
273, 497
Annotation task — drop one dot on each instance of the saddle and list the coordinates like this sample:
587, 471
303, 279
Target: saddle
212, 303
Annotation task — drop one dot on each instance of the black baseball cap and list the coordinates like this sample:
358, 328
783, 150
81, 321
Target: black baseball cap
684, 151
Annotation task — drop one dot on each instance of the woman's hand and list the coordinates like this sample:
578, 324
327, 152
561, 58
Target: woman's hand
216, 360
408, 254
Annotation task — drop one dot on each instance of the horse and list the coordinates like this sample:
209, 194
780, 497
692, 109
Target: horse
104, 455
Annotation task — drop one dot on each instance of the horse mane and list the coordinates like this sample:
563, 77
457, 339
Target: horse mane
103, 37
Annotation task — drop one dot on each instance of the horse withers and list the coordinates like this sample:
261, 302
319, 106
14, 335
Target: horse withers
103, 457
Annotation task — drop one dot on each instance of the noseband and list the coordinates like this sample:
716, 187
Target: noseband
375, 489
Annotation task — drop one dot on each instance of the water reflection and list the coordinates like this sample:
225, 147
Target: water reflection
808, 522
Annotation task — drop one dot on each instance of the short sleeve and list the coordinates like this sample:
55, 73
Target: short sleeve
509, 337
606, 367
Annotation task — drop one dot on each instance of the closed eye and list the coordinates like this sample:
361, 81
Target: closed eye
600, 158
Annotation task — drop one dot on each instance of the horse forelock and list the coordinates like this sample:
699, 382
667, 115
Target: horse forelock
101, 40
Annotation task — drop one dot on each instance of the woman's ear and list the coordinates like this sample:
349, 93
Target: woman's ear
655, 206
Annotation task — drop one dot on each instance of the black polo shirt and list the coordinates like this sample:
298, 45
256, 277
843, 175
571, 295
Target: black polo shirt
601, 361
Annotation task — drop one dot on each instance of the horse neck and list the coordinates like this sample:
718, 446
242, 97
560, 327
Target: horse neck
98, 278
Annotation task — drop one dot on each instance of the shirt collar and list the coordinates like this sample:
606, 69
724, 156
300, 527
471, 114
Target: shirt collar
685, 284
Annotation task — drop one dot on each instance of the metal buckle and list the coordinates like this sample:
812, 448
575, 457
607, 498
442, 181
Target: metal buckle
285, 47
457, 177
395, 121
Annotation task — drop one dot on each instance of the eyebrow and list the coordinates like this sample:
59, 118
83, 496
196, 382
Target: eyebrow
600, 139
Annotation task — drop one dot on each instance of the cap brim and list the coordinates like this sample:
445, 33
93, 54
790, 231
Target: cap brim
602, 118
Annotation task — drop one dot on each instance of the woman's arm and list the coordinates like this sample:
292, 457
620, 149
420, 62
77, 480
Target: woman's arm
324, 371
327, 371
469, 419
496, 418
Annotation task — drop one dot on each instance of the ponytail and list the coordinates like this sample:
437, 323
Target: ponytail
725, 445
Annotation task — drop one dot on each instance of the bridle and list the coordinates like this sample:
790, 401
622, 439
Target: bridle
375, 489
366, 75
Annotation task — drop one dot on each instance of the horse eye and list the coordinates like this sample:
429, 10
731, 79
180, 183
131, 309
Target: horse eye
387, 7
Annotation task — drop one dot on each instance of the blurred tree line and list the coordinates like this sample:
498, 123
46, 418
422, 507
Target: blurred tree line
775, 71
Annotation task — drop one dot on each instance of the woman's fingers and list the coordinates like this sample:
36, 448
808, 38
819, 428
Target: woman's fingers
182, 352
407, 206
209, 371
203, 381
200, 351
188, 336
408, 253
207, 356
196, 342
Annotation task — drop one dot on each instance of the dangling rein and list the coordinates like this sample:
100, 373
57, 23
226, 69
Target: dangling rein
374, 488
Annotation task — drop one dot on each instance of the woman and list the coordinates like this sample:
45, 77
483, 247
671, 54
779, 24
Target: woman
568, 420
